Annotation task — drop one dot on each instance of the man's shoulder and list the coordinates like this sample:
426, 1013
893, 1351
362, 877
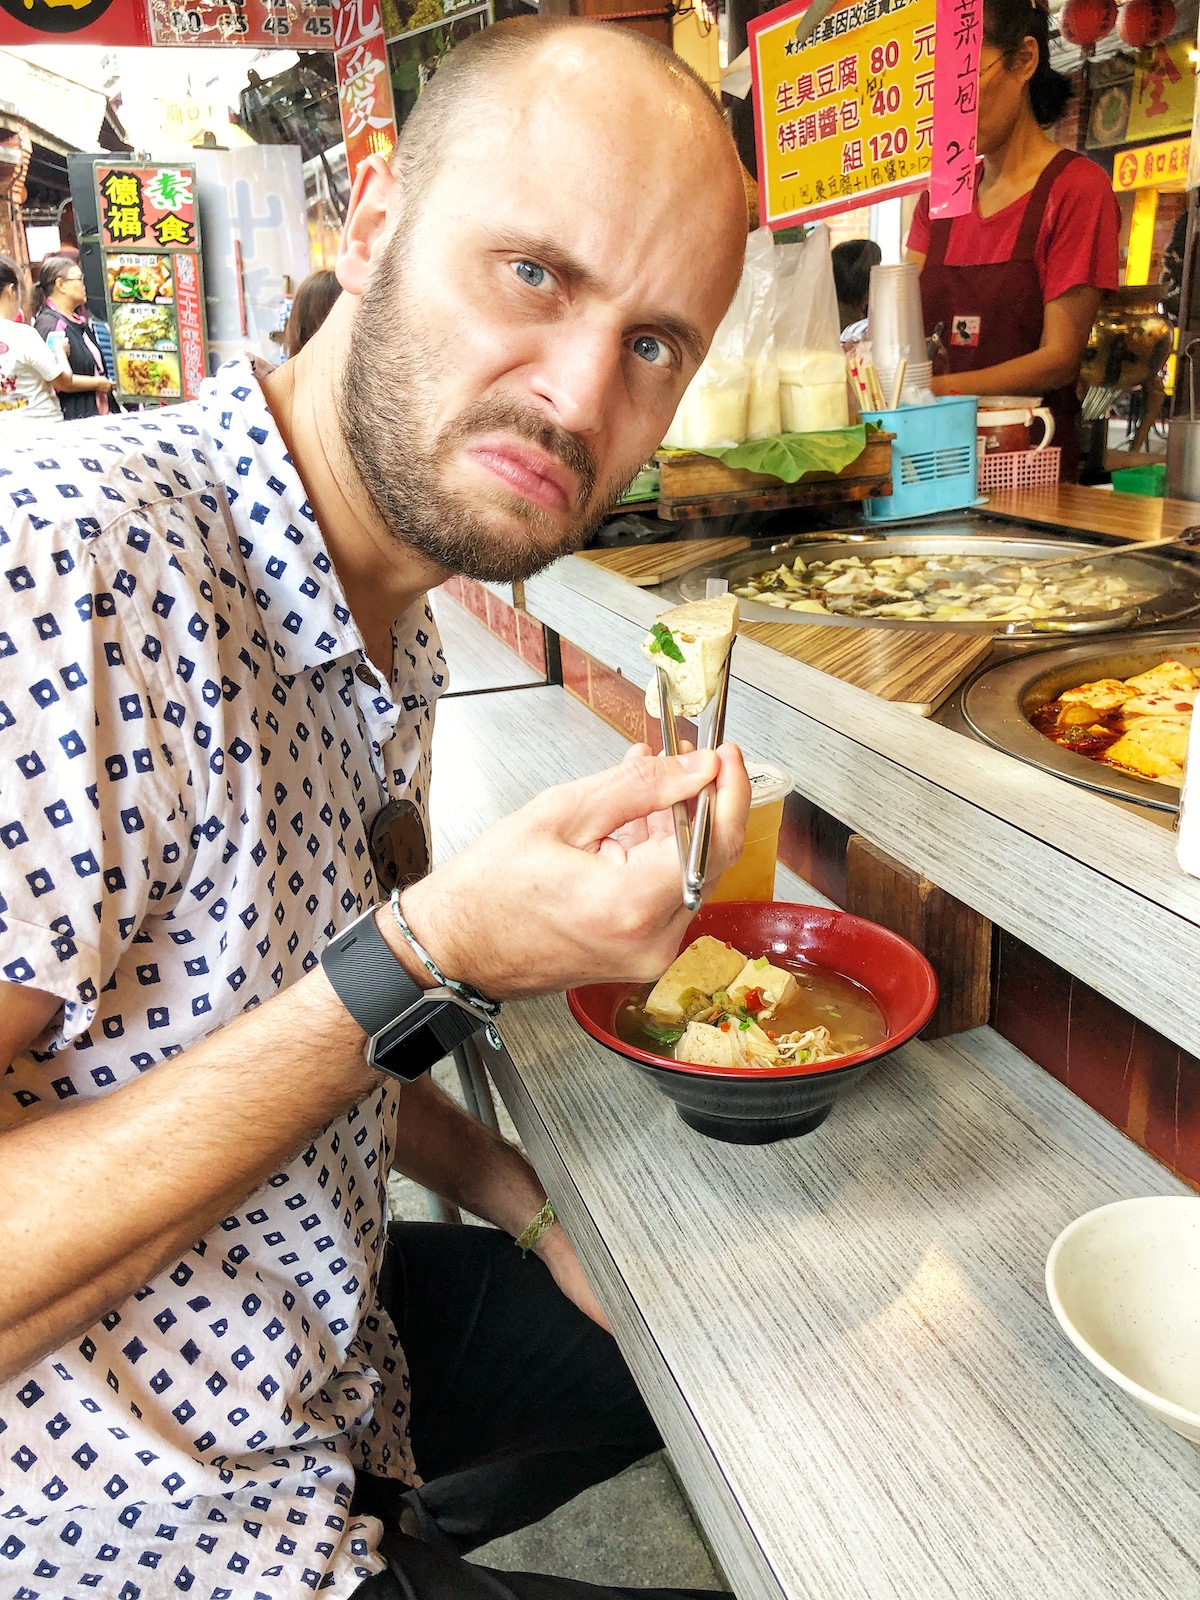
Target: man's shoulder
80, 481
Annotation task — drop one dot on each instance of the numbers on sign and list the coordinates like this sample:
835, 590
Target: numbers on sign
237, 23
885, 56
886, 145
186, 22
322, 27
887, 100
277, 25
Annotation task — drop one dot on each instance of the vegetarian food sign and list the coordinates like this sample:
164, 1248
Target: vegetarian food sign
846, 117
149, 236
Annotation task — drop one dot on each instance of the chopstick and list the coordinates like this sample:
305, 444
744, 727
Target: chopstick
683, 830
697, 861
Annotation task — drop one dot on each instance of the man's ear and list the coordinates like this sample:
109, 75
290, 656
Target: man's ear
370, 217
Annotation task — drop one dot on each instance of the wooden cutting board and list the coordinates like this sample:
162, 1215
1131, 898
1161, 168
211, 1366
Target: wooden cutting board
910, 666
647, 565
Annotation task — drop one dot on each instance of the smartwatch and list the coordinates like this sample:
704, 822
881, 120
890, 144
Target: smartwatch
409, 1029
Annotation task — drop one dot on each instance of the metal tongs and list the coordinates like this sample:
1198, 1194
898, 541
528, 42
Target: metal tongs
693, 838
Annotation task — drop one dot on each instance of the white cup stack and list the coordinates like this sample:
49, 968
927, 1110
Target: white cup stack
897, 332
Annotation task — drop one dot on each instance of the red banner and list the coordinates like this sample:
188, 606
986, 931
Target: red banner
189, 314
364, 83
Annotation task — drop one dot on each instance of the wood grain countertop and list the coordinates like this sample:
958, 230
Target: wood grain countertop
845, 1338
1120, 516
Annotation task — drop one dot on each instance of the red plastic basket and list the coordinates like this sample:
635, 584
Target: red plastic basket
1018, 469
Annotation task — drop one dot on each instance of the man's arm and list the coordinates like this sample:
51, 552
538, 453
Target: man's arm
587, 872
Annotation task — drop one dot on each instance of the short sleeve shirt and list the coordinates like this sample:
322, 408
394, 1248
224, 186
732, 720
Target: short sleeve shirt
1076, 245
192, 746
28, 367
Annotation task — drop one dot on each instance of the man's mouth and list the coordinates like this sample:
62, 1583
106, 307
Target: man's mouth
528, 472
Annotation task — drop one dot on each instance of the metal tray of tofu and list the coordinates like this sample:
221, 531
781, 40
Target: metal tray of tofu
1170, 584
997, 705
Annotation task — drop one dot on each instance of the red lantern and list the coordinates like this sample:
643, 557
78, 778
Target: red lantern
1145, 22
1085, 22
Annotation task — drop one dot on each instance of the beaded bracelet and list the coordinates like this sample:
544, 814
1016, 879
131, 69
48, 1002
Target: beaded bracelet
464, 991
536, 1227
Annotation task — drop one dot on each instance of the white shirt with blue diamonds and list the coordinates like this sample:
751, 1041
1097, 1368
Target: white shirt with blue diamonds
192, 745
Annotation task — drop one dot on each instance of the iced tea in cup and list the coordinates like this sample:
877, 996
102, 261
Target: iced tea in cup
752, 875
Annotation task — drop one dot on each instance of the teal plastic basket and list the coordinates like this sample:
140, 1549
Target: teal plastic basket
933, 459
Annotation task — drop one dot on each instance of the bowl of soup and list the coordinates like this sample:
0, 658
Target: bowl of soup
858, 991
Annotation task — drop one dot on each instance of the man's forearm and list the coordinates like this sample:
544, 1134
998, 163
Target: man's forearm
96, 1200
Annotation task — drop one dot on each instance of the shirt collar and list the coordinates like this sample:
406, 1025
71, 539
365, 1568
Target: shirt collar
301, 604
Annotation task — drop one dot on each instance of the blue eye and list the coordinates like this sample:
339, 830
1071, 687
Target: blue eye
529, 272
652, 350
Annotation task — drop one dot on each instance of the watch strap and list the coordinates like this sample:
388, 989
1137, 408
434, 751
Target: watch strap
367, 977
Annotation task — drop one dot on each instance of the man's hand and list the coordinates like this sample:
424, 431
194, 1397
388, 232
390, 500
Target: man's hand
582, 884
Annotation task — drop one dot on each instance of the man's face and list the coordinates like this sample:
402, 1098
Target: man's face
529, 327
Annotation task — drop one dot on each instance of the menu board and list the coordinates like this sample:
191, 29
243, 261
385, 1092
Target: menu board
150, 242
846, 117
285, 24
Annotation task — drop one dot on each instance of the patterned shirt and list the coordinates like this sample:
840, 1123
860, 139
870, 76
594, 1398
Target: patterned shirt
192, 747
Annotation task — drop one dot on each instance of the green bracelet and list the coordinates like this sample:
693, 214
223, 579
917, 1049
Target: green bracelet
536, 1228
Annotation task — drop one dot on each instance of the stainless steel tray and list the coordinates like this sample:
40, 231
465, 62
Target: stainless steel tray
997, 704
1176, 579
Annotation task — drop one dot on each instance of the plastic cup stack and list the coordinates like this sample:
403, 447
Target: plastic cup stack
897, 331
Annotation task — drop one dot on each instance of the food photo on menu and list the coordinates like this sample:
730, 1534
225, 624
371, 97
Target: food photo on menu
134, 278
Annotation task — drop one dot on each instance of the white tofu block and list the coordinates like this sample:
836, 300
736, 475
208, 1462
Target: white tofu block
703, 630
777, 985
707, 964
706, 1046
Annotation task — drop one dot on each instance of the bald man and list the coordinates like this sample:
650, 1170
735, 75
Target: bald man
221, 1373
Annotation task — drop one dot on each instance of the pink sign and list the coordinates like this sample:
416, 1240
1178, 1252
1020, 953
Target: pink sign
955, 104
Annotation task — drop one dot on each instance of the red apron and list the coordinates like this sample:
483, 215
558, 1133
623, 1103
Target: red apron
994, 313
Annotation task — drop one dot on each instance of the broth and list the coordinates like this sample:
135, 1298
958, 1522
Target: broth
826, 999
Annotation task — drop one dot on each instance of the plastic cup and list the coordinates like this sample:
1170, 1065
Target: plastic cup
752, 875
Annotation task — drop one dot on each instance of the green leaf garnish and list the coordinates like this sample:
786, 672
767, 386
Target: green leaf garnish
662, 1035
664, 640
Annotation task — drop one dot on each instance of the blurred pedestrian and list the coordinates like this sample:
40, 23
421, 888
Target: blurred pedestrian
314, 301
60, 313
852, 263
30, 371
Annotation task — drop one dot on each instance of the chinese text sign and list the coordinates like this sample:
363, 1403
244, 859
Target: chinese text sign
955, 98
846, 118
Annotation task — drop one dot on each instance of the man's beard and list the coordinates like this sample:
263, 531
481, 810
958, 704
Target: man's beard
388, 380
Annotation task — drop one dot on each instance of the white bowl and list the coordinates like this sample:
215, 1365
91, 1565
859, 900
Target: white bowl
1124, 1282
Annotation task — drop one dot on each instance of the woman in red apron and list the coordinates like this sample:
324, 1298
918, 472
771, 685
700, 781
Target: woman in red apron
1014, 285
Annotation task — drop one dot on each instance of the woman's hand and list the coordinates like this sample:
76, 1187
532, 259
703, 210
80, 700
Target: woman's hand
557, 1251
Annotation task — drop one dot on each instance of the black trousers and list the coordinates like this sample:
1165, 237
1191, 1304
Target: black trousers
519, 1402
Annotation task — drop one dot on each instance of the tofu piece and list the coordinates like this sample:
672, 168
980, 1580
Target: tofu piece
1152, 747
707, 1046
1163, 679
1179, 704
777, 985
1106, 694
703, 631
707, 964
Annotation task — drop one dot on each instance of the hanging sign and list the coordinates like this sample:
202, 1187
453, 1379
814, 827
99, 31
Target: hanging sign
98, 22
364, 83
261, 24
1164, 87
846, 118
1154, 166
150, 243
955, 98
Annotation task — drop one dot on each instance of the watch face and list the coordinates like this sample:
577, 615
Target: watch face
424, 1036
398, 844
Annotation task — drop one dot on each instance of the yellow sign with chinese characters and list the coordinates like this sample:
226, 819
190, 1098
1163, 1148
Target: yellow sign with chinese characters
846, 117
1152, 166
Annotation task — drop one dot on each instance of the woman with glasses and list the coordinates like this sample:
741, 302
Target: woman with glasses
1014, 285
30, 372
60, 314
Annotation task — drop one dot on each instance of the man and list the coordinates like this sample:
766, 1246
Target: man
216, 684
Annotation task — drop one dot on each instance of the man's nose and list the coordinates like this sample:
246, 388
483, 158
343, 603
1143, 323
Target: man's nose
578, 374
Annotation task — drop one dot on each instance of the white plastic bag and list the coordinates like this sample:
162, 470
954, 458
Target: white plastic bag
808, 349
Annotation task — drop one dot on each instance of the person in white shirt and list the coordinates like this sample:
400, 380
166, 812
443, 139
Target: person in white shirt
31, 371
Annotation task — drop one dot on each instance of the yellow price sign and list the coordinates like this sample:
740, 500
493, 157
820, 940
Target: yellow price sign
846, 117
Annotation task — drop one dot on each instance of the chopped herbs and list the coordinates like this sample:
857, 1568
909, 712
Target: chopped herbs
663, 1035
664, 640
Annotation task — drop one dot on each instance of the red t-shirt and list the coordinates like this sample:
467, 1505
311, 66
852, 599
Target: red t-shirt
1077, 243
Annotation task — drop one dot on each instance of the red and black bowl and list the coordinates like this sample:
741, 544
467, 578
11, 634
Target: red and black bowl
748, 1105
